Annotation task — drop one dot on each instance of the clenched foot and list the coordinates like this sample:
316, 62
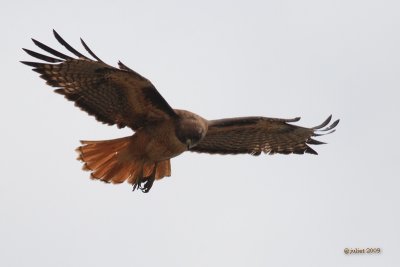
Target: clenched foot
146, 183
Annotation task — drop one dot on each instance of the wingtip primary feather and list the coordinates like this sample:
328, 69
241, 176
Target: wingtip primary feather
326, 122
90, 51
309, 150
50, 50
332, 126
122, 66
68, 46
293, 120
41, 57
31, 64
315, 142
325, 128
325, 133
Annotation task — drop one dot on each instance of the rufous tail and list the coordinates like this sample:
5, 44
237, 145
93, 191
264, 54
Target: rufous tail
113, 161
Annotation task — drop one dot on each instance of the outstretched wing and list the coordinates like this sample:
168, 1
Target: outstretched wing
253, 135
114, 96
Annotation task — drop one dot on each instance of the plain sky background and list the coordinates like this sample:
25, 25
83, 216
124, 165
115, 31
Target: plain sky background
218, 59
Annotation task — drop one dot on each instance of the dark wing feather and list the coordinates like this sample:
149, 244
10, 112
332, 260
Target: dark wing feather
113, 96
254, 135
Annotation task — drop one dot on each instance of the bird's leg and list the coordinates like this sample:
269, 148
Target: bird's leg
138, 182
149, 180
145, 183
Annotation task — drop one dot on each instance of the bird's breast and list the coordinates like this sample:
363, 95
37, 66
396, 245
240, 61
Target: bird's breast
162, 142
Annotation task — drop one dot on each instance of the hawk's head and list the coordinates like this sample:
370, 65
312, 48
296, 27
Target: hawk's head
190, 128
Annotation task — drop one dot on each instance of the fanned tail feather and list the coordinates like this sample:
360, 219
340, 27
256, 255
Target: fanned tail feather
112, 162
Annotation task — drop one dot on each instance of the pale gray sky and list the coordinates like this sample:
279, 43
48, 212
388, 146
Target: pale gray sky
218, 59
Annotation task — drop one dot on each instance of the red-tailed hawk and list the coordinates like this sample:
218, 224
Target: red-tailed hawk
123, 97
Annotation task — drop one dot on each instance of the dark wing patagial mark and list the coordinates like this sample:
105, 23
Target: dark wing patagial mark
254, 135
113, 96
154, 97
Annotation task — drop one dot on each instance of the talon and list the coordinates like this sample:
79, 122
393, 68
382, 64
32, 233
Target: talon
137, 185
144, 184
147, 184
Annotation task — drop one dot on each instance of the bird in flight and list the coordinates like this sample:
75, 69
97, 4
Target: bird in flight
122, 97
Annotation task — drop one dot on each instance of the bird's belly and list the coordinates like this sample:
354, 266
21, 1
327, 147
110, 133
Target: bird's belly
157, 144
161, 149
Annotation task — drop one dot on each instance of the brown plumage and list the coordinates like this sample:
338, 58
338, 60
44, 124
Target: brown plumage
123, 97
